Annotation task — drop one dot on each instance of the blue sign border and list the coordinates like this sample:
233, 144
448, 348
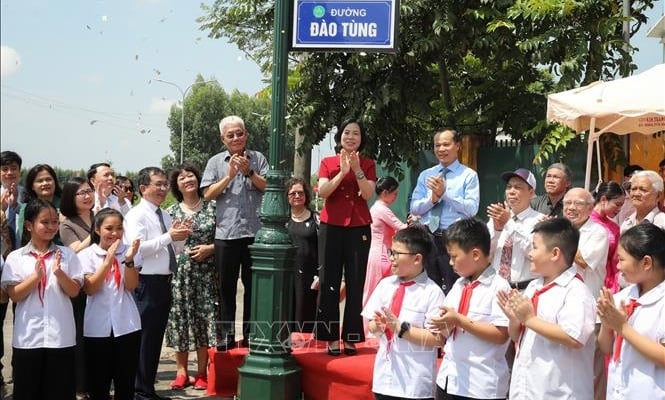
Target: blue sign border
386, 46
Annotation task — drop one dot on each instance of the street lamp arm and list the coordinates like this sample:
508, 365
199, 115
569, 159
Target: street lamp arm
183, 93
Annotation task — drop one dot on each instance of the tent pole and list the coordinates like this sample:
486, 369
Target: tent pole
589, 154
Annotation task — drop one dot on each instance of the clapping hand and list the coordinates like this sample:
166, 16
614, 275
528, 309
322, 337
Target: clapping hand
607, 311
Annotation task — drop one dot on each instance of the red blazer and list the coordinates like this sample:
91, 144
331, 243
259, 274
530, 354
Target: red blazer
345, 206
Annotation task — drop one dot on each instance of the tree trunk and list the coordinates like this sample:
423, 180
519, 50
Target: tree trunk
302, 158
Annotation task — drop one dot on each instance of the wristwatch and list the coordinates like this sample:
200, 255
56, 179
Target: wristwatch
360, 175
250, 173
129, 264
403, 329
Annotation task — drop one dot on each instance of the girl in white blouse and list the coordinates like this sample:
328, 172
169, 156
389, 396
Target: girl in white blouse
633, 321
112, 325
40, 278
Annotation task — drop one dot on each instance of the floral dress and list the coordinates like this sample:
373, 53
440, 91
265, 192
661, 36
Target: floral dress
194, 312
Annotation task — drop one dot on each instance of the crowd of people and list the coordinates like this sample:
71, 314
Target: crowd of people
558, 295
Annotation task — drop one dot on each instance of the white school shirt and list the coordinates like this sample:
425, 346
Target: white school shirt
50, 325
547, 370
111, 309
521, 231
655, 216
593, 246
633, 376
142, 222
473, 367
408, 369
112, 201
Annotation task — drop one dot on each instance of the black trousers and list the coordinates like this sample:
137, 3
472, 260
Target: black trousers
44, 374
78, 305
3, 314
112, 359
153, 299
438, 266
232, 257
342, 250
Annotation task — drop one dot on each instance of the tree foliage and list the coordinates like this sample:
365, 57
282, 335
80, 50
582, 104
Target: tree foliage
205, 106
480, 66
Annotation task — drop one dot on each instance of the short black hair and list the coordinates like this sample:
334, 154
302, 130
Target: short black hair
340, 129
416, 238
29, 191
469, 233
305, 187
189, 167
645, 240
32, 210
457, 138
93, 170
145, 174
561, 233
68, 200
8, 157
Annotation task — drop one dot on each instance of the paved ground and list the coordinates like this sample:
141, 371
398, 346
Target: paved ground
165, 373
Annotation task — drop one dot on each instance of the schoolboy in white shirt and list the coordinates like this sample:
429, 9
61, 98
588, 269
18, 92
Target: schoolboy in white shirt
633, 322
552, 324
474, 364
397, 309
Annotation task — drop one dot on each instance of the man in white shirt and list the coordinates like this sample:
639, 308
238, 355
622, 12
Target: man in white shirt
510, 225
107, 193
159, 245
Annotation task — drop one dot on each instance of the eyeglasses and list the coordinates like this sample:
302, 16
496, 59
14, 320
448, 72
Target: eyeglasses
127, 189
394, 253
163, 186
83, 193
576, 203
297, 193
236, 134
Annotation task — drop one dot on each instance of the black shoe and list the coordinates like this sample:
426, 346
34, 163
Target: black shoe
226, 346
350, 349
244, 343
334, 351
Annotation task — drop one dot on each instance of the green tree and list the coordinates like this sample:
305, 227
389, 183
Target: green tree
205, 106
482, 67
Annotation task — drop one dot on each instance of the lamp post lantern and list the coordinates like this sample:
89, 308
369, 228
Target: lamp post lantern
183, 93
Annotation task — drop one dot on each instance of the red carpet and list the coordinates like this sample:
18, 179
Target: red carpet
323, 377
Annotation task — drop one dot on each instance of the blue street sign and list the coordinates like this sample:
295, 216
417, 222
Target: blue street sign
345, 25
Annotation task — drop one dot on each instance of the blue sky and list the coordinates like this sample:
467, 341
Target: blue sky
78, 77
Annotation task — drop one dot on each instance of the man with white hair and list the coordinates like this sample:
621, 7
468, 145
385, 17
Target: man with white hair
235, 178
645, 187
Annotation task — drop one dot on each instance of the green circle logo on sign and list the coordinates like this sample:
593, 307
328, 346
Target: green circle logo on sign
319, 11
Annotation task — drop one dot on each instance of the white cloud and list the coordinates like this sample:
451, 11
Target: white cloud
10, 60
161, 105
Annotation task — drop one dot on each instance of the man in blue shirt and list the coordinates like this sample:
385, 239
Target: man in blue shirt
444, 193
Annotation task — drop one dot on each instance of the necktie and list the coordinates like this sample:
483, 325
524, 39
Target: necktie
630, 309
507, 255
114, 272
463, 307
435, 212
41, 285
173, 265
396, 303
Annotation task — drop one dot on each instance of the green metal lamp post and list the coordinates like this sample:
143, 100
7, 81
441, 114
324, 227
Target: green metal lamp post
270, 371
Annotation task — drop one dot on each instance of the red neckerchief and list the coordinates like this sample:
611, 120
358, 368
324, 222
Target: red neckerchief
396, 306
115, 272
41, 264
463, 307
630, 309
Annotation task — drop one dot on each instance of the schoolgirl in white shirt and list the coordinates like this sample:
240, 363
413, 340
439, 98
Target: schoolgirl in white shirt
112, 325
41, 278
633, 322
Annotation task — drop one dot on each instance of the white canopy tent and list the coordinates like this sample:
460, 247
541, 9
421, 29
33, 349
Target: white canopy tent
621, 106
